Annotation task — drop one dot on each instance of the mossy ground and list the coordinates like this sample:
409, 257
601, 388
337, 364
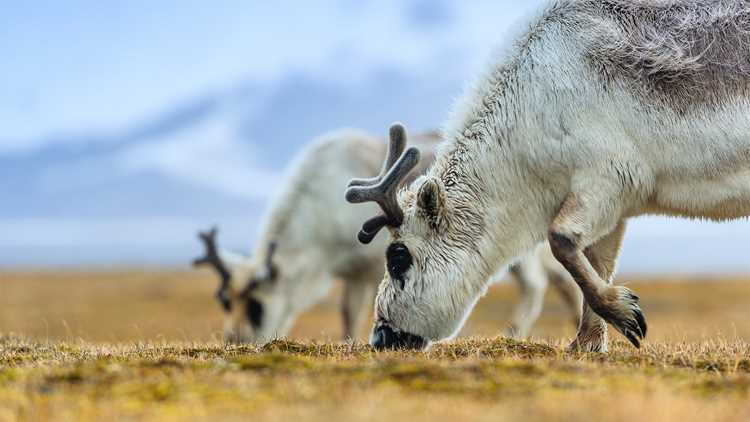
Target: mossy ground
470, 378
79, 358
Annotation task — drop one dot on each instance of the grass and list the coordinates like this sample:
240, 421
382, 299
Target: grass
144, 346
476, 378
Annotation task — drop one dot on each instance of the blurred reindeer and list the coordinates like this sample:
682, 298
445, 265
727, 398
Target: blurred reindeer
306, 243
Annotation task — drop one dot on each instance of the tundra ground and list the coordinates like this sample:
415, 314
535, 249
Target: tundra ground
92, 346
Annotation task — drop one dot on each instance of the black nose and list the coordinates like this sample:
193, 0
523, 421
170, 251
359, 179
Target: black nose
384, 337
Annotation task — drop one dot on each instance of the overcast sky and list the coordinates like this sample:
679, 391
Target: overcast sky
85, 71
86, 65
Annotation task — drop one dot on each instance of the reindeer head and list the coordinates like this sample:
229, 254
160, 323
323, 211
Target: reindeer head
424, 295
246, 293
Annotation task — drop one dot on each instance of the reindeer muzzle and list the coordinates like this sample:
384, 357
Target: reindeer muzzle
384, 337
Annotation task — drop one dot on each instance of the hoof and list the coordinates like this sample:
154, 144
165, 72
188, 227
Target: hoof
621, 309
592, 339
514, 332
578, 346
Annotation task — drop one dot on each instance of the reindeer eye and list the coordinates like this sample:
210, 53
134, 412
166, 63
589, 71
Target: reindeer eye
398, 261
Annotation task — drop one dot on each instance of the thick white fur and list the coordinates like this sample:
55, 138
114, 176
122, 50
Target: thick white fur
315, 239
542, 125
314, 230
533, 273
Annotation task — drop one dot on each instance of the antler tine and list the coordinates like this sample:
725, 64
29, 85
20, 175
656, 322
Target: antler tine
212, 258
212, 255
270, 271
384, 190
209, 237
270, 267
396, 146
271, 251
371, 228
209, 242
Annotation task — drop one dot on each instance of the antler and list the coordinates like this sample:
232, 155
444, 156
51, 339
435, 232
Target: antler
212, 258
382, 189
270, 266
268, 276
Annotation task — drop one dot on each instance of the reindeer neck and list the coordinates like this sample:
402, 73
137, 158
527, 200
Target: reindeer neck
501, 203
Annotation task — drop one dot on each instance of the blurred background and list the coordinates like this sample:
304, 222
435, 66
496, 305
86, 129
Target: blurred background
127, 126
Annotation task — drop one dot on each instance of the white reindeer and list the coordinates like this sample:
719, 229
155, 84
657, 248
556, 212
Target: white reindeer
601, 111
306, 242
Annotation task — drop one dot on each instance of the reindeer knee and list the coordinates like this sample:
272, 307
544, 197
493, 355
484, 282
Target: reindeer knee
563, 245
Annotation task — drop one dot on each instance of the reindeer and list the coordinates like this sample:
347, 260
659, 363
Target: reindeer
306, 242
532, 273
601, 111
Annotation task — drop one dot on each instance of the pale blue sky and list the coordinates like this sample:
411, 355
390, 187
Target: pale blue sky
126, 126
86, 65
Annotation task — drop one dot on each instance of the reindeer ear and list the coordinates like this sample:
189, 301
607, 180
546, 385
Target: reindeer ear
431, 199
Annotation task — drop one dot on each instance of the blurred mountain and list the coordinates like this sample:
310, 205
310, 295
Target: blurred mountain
119, 189
215, 158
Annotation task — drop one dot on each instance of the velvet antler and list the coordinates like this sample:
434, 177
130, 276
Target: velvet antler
213, 259
383, 188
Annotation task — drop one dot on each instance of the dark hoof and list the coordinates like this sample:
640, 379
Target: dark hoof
626, 316
578, 346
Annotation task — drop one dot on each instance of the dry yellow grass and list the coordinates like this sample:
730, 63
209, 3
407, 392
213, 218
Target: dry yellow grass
478, 379
118, 306
113, 345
